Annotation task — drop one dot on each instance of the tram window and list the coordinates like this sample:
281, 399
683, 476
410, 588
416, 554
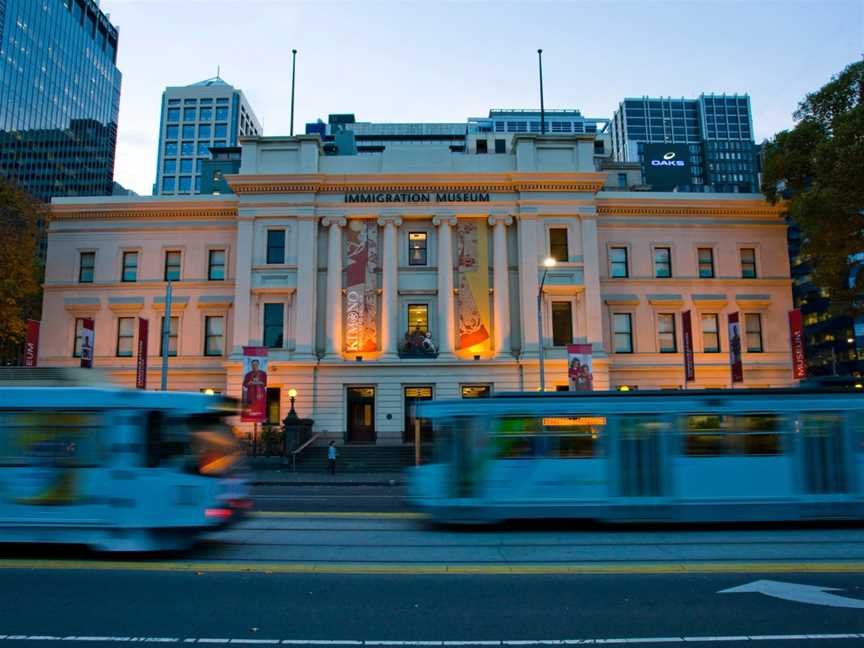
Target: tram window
50, 439
567, 437
750, 435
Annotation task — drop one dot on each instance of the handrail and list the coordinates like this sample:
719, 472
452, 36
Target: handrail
300, 449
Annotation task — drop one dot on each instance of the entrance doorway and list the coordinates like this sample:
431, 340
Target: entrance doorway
361, 415
413, 396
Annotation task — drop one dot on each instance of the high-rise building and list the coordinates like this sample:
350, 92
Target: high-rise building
194, 118
712, 136
59, 97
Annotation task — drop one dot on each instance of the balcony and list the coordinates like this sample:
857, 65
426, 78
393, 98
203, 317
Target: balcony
418, 344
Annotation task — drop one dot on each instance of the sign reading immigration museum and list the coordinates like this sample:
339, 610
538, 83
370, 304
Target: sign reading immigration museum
361, 293
473, 310
417, 197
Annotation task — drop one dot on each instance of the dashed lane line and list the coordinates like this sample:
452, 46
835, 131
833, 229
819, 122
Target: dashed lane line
358, 515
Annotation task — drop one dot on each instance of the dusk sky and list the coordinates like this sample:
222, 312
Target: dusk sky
443, 62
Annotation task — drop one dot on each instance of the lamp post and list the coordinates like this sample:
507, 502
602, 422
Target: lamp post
292, 394
548, 262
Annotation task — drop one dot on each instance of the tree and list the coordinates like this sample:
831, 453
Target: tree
818, 167
20, 270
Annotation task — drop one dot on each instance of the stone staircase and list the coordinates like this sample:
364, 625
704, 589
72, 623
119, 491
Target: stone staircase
360, 458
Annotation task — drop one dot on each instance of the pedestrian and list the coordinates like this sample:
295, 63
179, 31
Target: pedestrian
331, 457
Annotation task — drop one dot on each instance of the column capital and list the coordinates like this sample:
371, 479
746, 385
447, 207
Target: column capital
444, 219
390, 219
338, 221
504, 219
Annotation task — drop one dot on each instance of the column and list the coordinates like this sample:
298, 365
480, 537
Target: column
389, 285
334, 285
500, 284
307, 279
593, 302
529, 282
445, 284
242, 284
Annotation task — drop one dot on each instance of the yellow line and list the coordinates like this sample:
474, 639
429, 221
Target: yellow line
404, 515
439, 569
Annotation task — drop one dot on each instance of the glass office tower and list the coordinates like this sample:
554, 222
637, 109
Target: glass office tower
59, 97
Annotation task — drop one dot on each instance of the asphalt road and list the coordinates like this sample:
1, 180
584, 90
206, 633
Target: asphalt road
329, 498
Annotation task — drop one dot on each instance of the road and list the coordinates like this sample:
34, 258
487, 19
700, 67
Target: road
337, 566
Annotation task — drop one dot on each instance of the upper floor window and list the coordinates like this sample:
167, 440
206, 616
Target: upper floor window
173, 114
276, 246
171, 132
622, 331
706, 263
130, 266
172, 265
622, 180
87, 267
417, 255
79, 336
753, 326
418, 317
273, 325
214, 335
500, 146
666, 333
125, 335
662, 262
558, 244
562, 323
748, 263
206, 114
710, 333
188, 114
618, 262
173, 331
482, 146
216, 265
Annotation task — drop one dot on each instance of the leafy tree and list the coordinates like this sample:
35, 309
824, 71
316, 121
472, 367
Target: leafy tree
818, 167
20, 270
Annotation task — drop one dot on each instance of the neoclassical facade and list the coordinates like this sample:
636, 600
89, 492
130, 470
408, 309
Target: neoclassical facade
379, 280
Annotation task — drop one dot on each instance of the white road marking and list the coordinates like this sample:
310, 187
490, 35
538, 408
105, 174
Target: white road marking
409, 643
798, 592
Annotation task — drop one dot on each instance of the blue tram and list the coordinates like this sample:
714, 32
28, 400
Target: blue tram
712, 455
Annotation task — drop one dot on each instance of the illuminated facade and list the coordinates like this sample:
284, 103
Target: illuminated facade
377, 281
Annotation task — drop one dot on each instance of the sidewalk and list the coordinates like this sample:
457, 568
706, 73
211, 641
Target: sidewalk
284, 477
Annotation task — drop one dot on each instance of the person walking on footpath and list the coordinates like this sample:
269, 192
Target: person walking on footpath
331, 458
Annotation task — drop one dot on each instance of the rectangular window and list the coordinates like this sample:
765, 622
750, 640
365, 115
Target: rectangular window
418, 317
173, 114
749, 434
417, 248
170, 166
188, 114
87, 267
171, 149
662, 262
214, 335
273, 325
748, 263
216, 265
221, 114
476, 391
622, 179
558, 244
622, 327
753, 326
188, 131
276, 246
204, 131
274, 396
562, 323
169, 185
185, 184
413, 396
500, 146
706, 263
710, 333
172, 265
79, 329
618, 262
206, 114
482, 146
130, 266
171, 132
186, 165
220, 131
666, 333
125, 335
204, 149
173, 332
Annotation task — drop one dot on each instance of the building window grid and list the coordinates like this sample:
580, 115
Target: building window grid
275, 246
274, 318
173, 260
130, 266
214, 335
662, 262
622, 330
86, 267
753, 328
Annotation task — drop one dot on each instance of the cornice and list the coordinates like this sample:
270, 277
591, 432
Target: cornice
649, 206
107, 211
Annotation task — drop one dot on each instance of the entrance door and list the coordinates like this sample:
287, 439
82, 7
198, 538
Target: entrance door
361, 415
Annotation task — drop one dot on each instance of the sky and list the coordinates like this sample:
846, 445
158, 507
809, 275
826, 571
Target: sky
433, 61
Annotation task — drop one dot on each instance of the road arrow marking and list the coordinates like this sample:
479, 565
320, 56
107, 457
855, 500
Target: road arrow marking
812, 594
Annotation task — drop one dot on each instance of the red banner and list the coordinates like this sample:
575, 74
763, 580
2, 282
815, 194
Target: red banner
88, 338
141, 365
31, 346
579, 370
254, 385
735, 362
796, 337
687, 333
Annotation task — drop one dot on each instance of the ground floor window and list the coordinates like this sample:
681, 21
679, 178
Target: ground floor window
274, 412
476, 391
413, 396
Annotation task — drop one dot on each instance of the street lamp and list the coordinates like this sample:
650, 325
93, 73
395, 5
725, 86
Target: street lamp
292, 394
548, 262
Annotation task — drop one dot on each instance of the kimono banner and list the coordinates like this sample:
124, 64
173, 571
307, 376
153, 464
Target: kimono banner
361, 294
473, 269
254, 385
579, 367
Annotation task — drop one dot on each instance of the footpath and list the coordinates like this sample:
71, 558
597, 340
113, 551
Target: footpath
264, 474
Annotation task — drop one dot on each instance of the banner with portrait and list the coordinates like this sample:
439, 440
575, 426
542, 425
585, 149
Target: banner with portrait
579, 367
88, 339
254, 385
735, 362
361, 291
473, 303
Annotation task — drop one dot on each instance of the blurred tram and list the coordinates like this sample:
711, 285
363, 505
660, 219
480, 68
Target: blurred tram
712, 455
116, 469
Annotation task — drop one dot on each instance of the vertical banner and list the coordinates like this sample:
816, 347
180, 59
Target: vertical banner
361, 293
796, 337
687, 332
31, 346
473, 269
735, 362
141, 364
254, 385
88, 337
579, 367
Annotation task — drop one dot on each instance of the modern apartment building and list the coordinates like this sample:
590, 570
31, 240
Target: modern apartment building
194, 118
